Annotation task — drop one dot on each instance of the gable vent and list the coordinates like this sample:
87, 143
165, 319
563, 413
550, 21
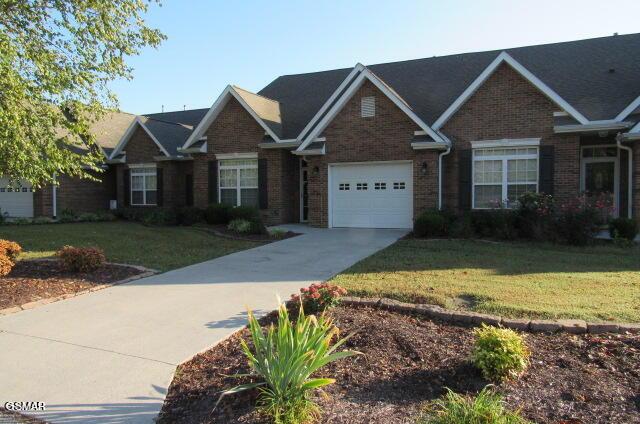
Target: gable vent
368, 107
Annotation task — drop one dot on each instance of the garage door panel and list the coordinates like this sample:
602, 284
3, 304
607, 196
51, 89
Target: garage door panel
376, 204
16, 201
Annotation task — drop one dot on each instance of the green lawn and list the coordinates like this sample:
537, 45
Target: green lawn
509, 279
161, 248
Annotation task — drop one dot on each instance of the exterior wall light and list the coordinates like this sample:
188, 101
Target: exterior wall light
423, 168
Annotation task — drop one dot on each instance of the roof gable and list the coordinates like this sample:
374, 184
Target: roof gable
138, 122
265, 111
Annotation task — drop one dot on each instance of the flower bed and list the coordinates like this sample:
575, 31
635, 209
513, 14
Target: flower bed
409, 360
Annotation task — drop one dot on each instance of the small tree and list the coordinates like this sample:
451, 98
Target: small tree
56, 59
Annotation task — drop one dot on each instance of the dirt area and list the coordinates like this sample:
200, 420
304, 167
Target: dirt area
408, 361
32, 280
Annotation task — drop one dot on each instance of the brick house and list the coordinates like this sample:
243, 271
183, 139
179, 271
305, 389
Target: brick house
374, 146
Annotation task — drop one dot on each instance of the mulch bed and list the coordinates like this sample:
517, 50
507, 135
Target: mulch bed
573, 379
32, 280
223, 231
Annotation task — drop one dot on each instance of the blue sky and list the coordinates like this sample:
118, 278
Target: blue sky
249, 43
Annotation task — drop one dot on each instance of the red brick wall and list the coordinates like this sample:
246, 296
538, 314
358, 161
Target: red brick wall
508, 106
636, 181
385, 137
235, 131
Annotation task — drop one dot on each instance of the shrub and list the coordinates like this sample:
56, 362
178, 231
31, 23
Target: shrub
159, 216
217, 214
106, 216
494, 223
3, 217
6, 265
22, 221
500, 353
189, 215
318, 297
81, 259
240, 226
10, 249
88, 217
39, 220
462, 227
534, 216
277, 233
486, 408
623, 228
431, 223
284, 358
67, 215
578, 221
245, 212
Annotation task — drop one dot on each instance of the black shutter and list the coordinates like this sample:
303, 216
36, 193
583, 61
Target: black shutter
213, 181
464, 179
188, 189
159, 187
263, 192
126, 179
546, 170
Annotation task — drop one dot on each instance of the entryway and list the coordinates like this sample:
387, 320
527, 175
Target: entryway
600, 173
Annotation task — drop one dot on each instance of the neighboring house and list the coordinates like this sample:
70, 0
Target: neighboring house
373, 146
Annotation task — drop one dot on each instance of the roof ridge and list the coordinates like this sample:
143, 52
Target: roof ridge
255, 94
189, 127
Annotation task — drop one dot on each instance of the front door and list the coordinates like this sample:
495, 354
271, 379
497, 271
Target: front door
600, 174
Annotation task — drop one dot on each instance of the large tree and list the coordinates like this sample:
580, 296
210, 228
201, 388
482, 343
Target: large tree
56, 60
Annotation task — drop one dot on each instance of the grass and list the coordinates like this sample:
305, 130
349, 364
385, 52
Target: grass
161, 248
510, 279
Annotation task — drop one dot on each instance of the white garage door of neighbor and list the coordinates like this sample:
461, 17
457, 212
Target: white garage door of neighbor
372, 195
16, 201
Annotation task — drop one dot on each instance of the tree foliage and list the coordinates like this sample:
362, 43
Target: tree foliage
56, 60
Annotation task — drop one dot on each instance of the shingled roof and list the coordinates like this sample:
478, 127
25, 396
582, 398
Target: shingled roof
599, 77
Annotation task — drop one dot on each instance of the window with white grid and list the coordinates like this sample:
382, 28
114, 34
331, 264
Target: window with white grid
502, 175
143, 186
238, 182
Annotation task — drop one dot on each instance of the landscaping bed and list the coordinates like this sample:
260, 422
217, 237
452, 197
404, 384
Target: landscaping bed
222, 230
409, 361
32, 280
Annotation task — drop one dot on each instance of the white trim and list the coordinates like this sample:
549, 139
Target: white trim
627, 110
560, 113
603, 159
635, 129
313, 152
593, 126
237, 168
506, 142
129, 133
356, 69
366, 74
279, 145
300, 191
488, 71
429, 145
215, 110
142, 165
223, 156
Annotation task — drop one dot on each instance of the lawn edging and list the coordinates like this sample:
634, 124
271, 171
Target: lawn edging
573, 326
144, 272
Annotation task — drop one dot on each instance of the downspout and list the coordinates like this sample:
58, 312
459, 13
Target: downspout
446, 152
54, 201
629, 174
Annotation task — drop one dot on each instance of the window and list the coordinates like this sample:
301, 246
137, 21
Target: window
399, 185
238, 182
361, 186
344, 186
368, 107
503, 175
380, 186
143, 186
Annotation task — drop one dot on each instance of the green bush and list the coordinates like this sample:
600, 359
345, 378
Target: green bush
241, 226
623, 228
160, 217
534, 216
494, 223
277, 233
245, 212
318, 297
217, 214
67, 215
189, 215
43, 220
462, 227
88, 217
431, 223
486, 408
3, 218
500, 353
106, 216
284, 358
81, 259
578, 221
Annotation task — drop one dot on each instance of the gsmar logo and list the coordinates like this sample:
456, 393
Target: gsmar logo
25, 406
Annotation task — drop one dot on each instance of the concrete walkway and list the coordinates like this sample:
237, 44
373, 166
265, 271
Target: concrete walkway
109, 356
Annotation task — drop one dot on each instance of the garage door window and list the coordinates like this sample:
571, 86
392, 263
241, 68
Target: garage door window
380, 186
344, 187
239, 182
501, 176
143, 186
399, 185
361, 186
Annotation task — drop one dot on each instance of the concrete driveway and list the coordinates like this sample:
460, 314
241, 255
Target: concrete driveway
109, 356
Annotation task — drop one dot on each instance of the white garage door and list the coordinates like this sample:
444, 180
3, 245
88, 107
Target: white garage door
372, 195
16, 201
